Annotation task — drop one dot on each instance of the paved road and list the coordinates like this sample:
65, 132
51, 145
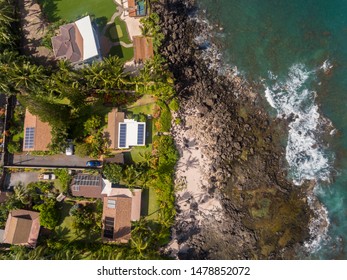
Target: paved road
54, 161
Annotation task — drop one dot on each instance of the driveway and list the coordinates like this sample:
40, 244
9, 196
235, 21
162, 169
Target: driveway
13, 179
50, 161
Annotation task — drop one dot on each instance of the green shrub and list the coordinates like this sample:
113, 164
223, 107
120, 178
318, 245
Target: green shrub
164, 122
174, 105
49, 213
83, 149
14, 147
64, 177
142, 117
112, 172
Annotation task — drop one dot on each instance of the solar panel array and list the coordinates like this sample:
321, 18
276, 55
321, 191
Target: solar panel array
140, 134
29, 138
122, 135
86, 180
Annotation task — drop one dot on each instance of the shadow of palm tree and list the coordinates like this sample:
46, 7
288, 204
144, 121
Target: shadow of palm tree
192, 162
49, 8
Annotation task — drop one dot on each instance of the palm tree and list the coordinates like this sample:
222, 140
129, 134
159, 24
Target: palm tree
7, 60
39, 253
21, 194
6, 12
131, 175
27, 76
147, 159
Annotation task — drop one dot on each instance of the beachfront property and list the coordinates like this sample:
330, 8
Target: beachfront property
131, 133
123, 133
22, 228
116, 215
136, 8
111, 190
37, 134
94, 186
143, 48
120, 205
78, 42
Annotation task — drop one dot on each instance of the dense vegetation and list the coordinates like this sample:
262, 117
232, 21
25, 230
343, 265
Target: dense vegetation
75, 103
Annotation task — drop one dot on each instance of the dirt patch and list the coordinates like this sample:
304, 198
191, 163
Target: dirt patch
34, 28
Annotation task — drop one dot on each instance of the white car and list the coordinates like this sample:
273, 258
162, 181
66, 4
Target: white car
69, 150
47, 176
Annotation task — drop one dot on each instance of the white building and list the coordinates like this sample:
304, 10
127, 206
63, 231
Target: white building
131, 133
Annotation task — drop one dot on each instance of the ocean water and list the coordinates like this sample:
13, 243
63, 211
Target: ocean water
296, 51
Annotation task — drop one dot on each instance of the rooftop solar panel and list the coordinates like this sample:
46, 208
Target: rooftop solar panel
86, 180
140, 134
29, 137
122, 135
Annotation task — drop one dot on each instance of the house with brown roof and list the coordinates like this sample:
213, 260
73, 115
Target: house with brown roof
111, 132
37, 134
110, 190
22, 228
143, 48
87, 185
116, 219
77, 42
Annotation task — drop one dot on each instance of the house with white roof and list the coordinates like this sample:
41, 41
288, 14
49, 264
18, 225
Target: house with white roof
131, 133
124, 133
77, 42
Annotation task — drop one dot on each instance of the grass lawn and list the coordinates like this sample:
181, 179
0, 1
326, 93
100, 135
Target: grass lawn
118, 32
125, 54
144, 100
70, 10
143, 105
134, 155
67, 220
149, 204
58, 185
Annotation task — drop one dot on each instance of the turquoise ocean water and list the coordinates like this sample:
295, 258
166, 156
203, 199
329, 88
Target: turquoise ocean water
297, 51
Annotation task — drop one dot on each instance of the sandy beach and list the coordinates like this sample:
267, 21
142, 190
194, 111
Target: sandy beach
194, 203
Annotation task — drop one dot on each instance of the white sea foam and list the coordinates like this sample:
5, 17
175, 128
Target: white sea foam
318, 226
292, 99
211, 53
305, 154
326, 66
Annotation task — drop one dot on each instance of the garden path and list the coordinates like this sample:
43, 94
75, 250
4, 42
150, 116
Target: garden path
107, 44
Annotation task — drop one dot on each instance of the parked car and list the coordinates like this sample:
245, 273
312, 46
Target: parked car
47, 176
69, 150
94, 163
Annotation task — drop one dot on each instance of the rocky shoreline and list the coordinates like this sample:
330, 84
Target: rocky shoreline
257, 213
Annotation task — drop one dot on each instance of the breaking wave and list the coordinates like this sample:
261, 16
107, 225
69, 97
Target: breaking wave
307, 157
